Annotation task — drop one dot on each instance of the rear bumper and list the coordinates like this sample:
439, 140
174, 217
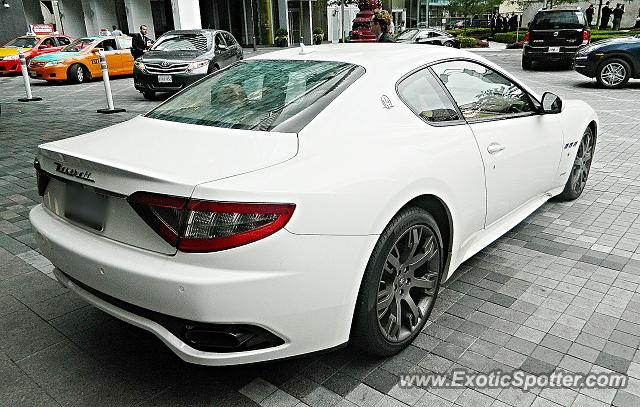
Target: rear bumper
285, 284
543, 54
11, 66
149, 82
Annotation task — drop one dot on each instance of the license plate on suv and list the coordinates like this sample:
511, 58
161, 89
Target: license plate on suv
85, 206
165, 79
554, 49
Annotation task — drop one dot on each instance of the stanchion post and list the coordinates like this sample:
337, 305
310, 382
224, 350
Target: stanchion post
25, 77
107, 86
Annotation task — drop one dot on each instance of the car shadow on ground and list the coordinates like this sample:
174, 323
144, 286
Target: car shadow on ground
594, 85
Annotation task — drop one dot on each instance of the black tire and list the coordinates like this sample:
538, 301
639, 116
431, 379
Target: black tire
527, 63
367, 328
605, 77
449, 44
149, 95
579, 172
76, 74
212, 69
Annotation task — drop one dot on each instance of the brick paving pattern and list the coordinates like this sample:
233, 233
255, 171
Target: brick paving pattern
559, 290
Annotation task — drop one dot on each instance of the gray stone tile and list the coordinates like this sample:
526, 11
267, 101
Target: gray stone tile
612, 362
23, 333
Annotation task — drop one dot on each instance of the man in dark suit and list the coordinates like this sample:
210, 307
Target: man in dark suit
140, 43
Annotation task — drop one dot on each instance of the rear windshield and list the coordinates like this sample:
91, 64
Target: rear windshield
264, 95
557, 20
184, 42
79, 45
22, 42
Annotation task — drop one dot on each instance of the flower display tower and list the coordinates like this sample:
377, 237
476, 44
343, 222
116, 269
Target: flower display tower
361, 32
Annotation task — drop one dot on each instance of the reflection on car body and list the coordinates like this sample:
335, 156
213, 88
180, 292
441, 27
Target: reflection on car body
182, 57
78, 62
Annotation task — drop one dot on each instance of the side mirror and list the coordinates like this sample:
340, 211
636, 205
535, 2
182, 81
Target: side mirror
43, 46
221, 47
551, 103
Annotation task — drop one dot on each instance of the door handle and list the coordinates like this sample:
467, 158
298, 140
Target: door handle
494, 148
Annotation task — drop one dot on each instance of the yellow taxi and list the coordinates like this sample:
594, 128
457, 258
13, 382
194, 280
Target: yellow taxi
79, 62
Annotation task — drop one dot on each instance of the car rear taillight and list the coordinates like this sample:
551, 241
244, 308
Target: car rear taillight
207, 226
585, 37
162, 212
526, 38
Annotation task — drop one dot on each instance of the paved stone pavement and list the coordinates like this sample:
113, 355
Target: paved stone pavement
559, 290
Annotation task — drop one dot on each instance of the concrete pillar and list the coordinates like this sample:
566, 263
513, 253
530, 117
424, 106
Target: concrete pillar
283, 11
72, 18
104, 14
32, 12
139, 13
186, 14
308, 23
89, 17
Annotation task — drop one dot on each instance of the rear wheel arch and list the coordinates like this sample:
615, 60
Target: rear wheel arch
442, 215
594, 128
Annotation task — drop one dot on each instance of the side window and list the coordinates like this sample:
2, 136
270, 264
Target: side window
229, 39
481, 92
426, 98
220, 40
63, 41
108, 45
49, 42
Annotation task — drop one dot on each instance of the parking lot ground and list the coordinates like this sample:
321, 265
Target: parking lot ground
559, 290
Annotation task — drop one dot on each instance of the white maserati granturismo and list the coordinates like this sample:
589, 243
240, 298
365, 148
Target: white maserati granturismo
302, 199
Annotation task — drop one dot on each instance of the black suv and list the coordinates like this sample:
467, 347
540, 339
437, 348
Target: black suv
182, 57
554, 36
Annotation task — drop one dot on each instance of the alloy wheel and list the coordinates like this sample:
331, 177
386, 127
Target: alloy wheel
408, 283
80, 75
613, 74
582, 163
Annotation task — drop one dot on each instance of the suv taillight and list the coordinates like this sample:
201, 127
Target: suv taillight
207, 226
526, 38
585, 37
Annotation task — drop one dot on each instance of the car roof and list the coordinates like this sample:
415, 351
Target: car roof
197, 31
554, 10
393, 59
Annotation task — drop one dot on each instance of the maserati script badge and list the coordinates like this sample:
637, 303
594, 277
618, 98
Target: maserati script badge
72, 172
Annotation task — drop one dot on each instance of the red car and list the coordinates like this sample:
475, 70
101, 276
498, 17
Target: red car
32, 45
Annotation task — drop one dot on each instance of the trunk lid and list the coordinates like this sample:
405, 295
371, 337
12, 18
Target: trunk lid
556, 38
151, 155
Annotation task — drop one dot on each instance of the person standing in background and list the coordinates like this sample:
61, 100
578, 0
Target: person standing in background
380, 26
589, 13
140, 43
617, 16
115, 31
606, 14
498, 23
